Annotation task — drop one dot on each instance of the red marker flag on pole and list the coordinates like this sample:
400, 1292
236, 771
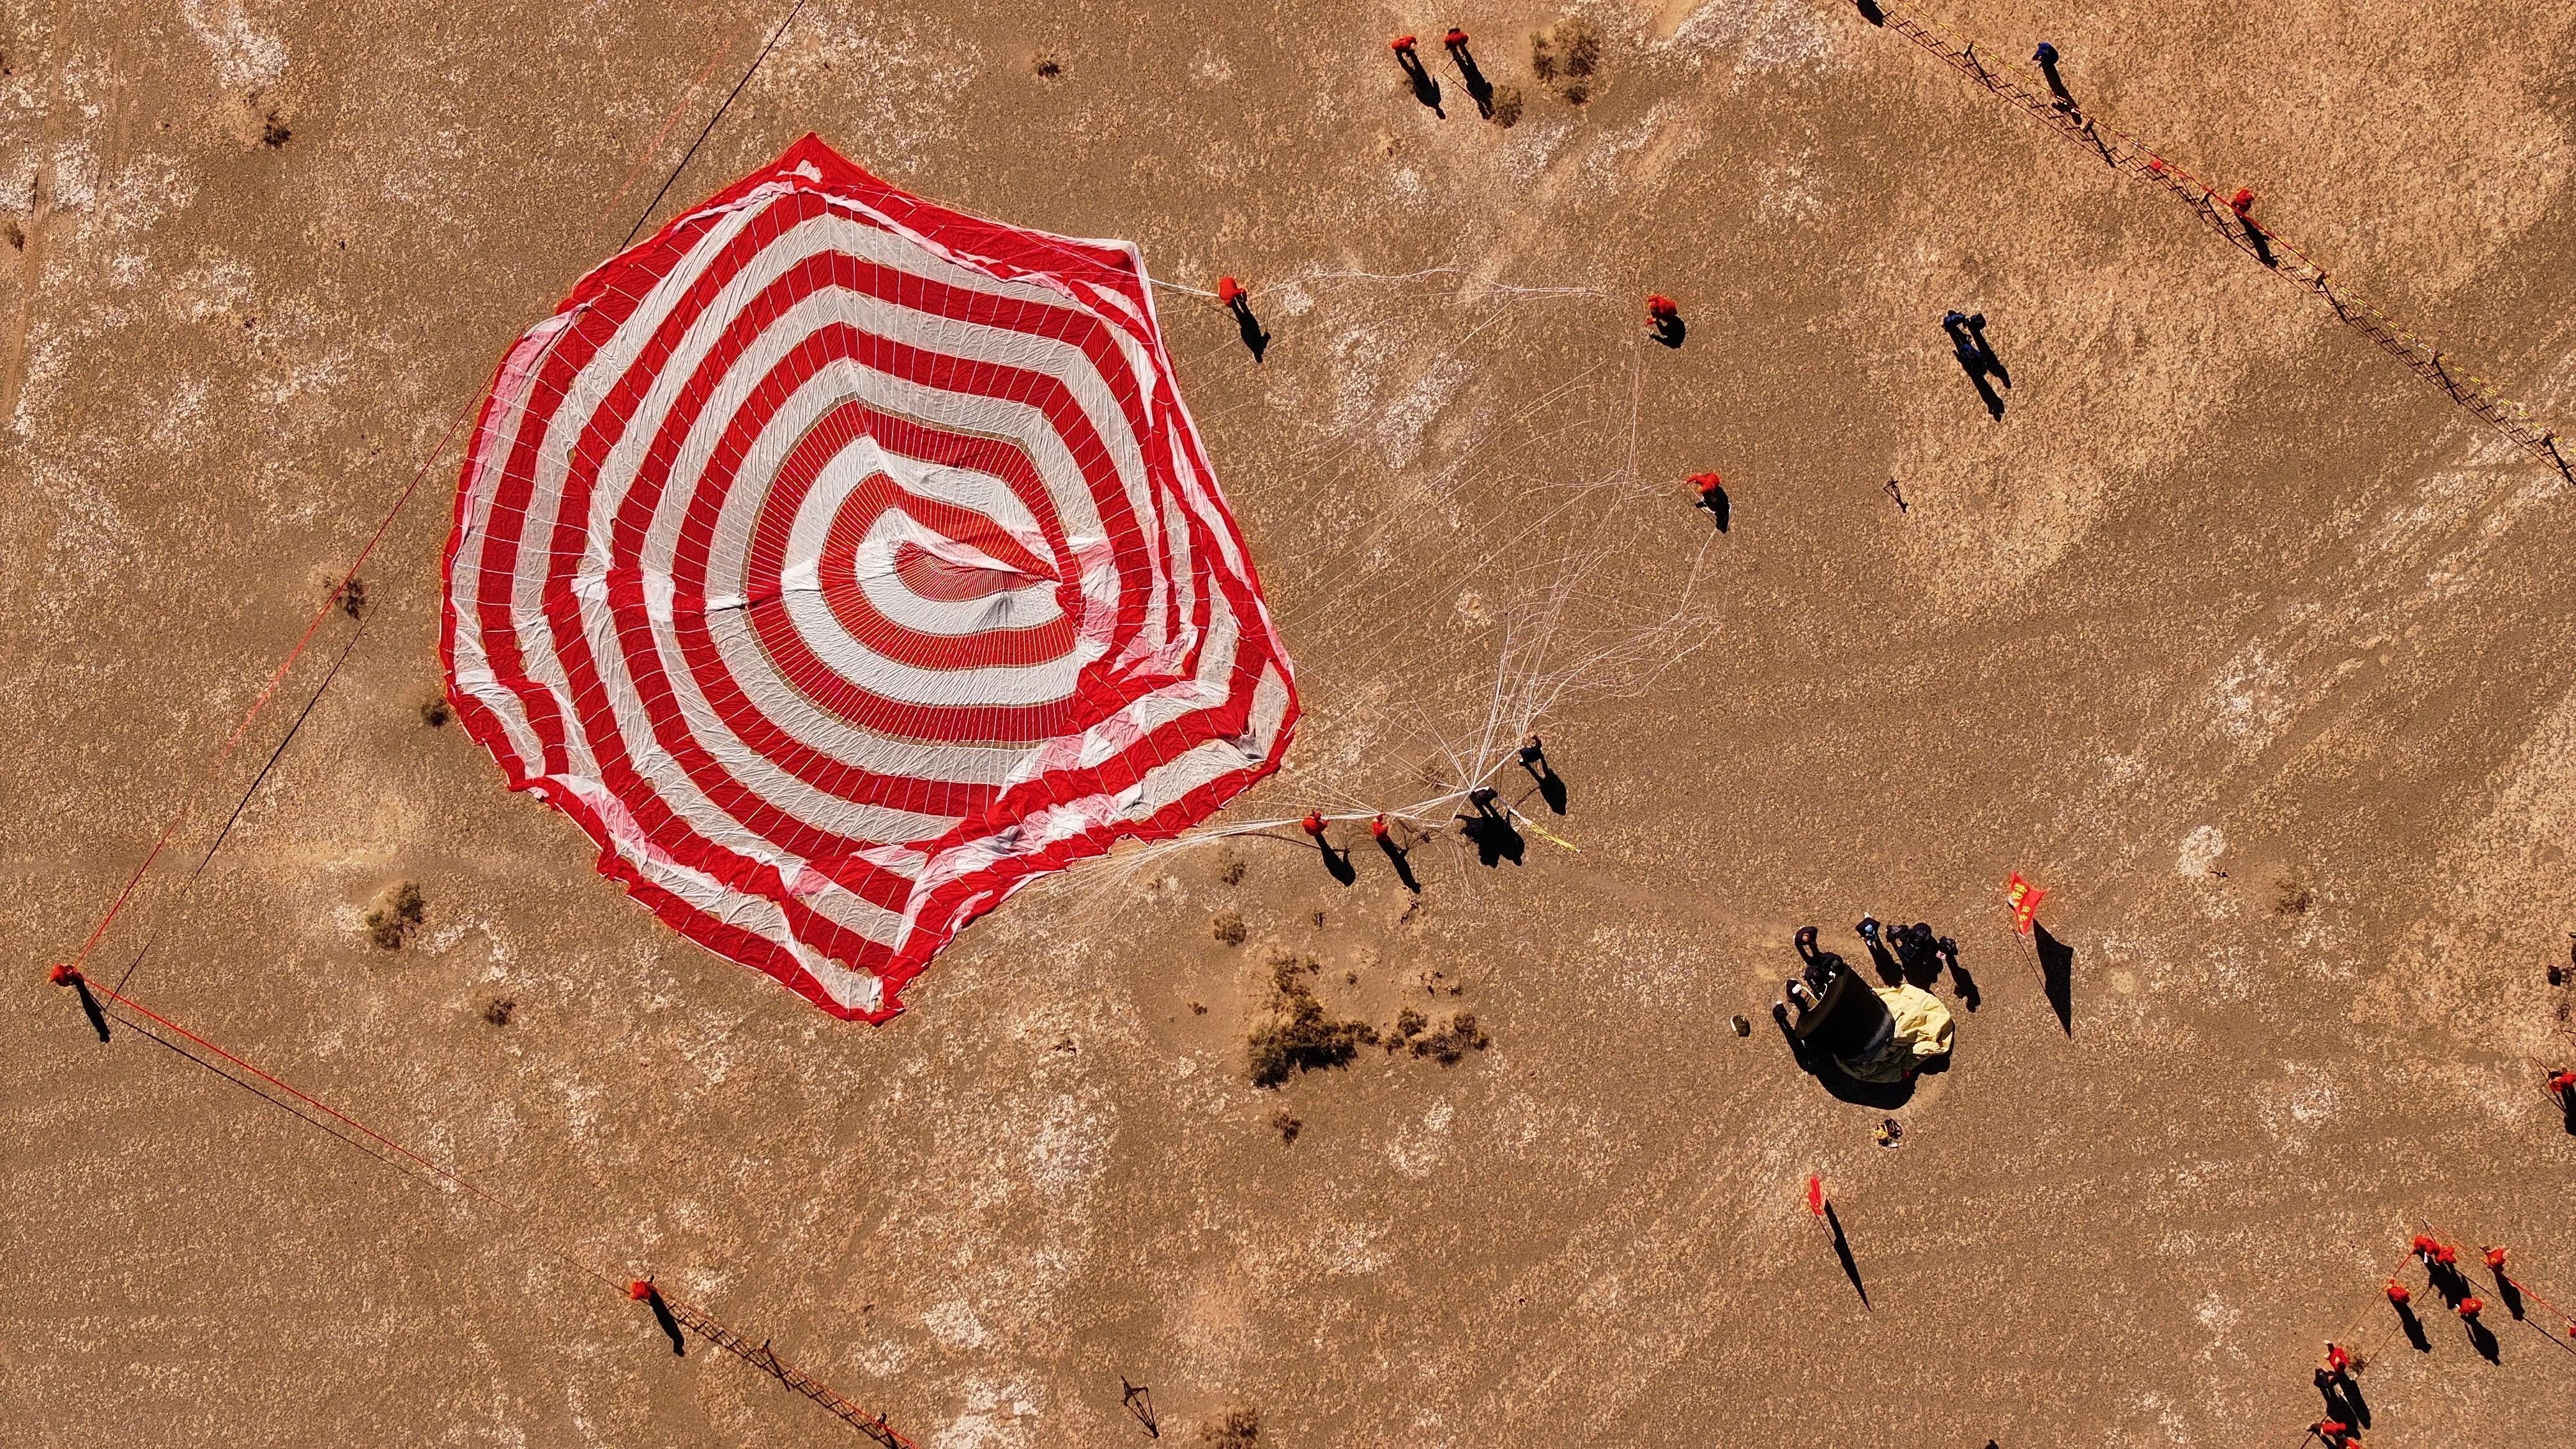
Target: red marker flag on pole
1816, 1194
2024, 899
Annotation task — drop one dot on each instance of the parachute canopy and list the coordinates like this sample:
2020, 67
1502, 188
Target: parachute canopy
841, 563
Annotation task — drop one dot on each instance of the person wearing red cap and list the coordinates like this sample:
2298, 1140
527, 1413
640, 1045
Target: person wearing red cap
67, 975
2334, 1381
1398, 856
1337, 863
643, 1291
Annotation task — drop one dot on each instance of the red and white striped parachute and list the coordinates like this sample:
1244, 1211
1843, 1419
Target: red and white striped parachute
841, 562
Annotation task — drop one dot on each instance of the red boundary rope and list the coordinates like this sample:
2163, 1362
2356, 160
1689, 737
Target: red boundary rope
2283, 257
420, 1166
304, 641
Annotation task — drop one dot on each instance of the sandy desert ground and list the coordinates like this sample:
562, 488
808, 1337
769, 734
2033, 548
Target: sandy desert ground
2232, 632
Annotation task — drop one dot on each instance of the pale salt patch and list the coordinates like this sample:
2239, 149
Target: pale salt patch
246, 58
2200, 851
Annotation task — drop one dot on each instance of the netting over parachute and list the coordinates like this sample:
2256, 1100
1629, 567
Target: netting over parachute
841, 562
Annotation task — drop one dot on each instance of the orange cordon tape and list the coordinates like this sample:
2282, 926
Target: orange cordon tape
2472, 394
65, 974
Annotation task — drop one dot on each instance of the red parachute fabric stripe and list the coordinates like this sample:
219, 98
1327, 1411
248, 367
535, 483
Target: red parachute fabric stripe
841, 563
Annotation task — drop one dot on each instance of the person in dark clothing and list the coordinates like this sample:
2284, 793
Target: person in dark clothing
1837, 1014
1976, 356
2046, 55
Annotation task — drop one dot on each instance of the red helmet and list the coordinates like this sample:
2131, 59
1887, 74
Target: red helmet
1313, 823
1401, 42
1227, 289
1660, 305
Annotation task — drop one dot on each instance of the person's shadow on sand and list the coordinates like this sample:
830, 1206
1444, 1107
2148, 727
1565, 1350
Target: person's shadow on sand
2056, 975
1401, 857
1255, 340
1495, 838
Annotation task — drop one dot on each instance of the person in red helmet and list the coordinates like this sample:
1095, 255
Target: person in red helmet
1711, 492
1337, 863
1425, 89
1664, 320
2242, 204
1479, 89
1237, 299
1398, 856
66, 975
2336, 1384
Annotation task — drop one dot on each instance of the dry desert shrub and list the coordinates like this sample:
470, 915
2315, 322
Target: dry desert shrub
1298, 1036
1233, 1429
395, 915
1566, 55
1450, 1044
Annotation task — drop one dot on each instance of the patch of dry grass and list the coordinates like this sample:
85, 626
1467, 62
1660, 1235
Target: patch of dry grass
396, 914
1298, 1036
1233, 1429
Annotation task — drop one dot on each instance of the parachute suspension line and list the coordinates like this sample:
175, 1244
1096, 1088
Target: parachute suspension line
247, 791
644, 156
709, 129
187, 799
126, 894
241, 1072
